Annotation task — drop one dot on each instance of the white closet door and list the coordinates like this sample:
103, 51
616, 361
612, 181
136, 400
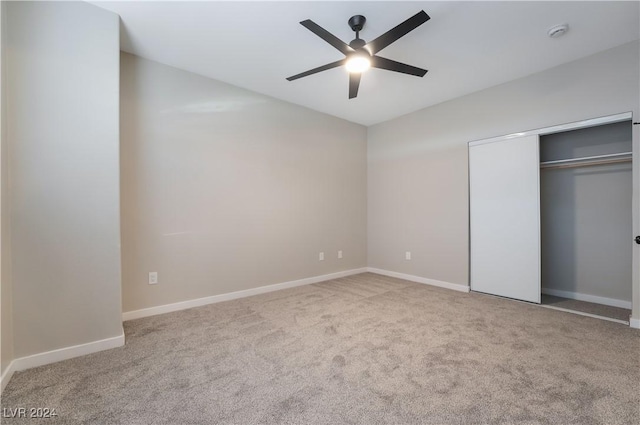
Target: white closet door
504, 200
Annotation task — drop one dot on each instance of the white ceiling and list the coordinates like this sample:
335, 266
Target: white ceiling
466, 46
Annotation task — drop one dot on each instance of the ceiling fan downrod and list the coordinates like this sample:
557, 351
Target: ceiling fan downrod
357, 23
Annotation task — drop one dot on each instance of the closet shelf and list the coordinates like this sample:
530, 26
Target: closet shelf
612, 158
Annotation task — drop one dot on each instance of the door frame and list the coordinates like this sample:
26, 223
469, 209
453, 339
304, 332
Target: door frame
634, 321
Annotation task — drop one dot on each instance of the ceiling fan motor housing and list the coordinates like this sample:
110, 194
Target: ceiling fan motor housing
357, 43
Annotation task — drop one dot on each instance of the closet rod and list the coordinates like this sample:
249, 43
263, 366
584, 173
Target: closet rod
588, 160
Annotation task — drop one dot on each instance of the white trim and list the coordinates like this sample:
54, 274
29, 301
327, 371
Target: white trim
54, 356
634, 323
198, 302
454, 286
60, 354
6, 375
582, 313
610, 119
588, 298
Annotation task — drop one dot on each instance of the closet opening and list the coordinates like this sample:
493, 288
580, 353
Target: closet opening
586, 186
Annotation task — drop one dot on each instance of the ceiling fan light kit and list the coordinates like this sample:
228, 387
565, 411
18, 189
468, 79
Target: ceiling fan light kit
359, 55
358, 62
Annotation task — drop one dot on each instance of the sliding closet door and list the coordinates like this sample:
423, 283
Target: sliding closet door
504, 200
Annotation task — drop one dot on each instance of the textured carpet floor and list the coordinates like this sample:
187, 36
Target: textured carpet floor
365, 349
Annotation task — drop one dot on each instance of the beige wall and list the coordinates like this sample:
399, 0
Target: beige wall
6, 344
417, 164
224, 189
63, 69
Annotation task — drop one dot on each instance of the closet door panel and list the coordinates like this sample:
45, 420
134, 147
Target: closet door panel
504, 178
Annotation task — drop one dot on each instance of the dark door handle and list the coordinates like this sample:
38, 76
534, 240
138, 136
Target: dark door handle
638, 240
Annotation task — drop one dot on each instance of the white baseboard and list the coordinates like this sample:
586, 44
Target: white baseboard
588, 298
198, 302
634, 323
418, 279
53, 356
6, 375
582, 313
66, 353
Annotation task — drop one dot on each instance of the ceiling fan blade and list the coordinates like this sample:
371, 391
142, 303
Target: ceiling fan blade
318, 69
399, 31
391, 65
327, 36
354, 83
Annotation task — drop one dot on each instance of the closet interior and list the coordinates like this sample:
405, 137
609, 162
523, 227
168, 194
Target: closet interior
586, 220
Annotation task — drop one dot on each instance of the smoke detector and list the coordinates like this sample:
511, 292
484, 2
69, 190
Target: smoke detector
558, 31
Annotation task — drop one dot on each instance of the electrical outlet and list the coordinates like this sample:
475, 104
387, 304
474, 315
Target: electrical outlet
407, 255
153, 278
339, 254
321, 256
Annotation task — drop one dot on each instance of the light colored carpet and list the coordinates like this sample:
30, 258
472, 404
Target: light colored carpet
365, 349
586, 307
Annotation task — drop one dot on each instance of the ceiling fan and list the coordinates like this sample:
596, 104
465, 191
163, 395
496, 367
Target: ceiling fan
360, 56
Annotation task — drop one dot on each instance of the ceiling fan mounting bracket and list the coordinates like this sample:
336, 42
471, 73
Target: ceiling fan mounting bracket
357, 22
